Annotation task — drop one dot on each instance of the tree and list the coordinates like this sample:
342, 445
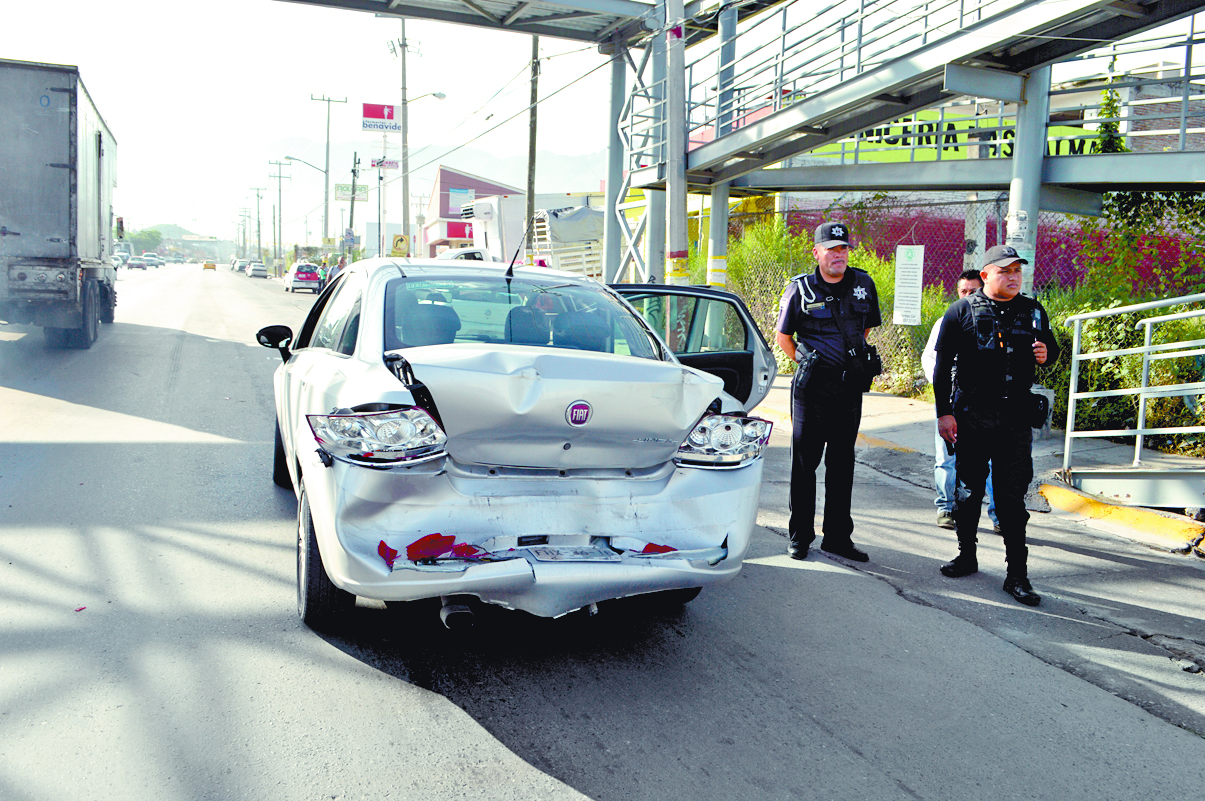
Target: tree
145, 240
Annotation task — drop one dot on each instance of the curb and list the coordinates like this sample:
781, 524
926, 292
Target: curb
1165, 529
783, 423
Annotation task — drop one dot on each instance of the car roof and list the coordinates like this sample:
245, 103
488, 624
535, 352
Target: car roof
413, 268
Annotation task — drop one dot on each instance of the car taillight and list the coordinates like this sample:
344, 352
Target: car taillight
725, 440
379, 438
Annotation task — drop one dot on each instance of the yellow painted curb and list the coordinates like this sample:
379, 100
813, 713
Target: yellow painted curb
867, 441
1073, 501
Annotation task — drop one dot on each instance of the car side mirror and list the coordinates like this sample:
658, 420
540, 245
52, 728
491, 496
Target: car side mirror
278, 337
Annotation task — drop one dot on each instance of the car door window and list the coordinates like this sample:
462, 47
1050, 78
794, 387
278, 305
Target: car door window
347, 341
693, 325
329, 330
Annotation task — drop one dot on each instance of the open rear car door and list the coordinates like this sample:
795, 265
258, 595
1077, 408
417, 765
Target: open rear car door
711, 330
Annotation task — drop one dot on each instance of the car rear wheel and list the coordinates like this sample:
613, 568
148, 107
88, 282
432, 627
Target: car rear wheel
678, 597
280, 464
319, 601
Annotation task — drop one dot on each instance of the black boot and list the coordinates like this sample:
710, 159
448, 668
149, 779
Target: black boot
1017, 583
1020, 589
966, 562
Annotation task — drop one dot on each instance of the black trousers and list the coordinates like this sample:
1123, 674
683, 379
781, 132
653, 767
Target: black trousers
825, 418
1005, 440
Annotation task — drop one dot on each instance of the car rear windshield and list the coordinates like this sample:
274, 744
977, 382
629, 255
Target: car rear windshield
435, 311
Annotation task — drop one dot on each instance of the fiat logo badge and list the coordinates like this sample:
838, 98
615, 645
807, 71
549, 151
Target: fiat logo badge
578, 413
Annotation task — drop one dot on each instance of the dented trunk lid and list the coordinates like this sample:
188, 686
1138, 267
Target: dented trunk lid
520, 406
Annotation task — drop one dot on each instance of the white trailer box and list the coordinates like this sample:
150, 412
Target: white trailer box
57, 174
498, 224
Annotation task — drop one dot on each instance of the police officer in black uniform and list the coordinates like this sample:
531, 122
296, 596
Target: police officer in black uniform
823, 321
985, 410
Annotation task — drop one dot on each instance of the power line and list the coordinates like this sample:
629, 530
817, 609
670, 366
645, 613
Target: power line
508, 119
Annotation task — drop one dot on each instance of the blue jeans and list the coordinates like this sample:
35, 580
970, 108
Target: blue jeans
946, 478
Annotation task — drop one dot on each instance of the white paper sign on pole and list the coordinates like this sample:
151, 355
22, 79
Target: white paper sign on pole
909, 281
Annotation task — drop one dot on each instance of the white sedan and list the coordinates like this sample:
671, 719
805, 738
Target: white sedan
527, 439
256, 270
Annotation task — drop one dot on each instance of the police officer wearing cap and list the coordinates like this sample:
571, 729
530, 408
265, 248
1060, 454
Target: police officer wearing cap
823, 320
985, 410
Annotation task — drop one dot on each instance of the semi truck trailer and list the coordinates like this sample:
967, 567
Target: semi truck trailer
57, 175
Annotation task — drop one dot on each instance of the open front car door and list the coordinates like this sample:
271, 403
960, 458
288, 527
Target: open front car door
711, 330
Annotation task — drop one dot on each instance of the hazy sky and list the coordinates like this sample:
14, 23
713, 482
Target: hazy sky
202, 96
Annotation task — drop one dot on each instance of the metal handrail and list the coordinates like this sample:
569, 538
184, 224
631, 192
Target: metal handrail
1148, 352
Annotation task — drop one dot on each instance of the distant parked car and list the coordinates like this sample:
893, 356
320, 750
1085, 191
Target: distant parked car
239, 264
256, 270
136, 263
303, 276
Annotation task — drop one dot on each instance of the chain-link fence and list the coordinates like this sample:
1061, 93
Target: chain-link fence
768, 247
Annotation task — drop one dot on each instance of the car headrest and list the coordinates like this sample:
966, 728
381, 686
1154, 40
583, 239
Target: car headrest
580, 330
526, 326
428, 324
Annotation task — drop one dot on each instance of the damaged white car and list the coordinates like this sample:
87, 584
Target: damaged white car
530, 438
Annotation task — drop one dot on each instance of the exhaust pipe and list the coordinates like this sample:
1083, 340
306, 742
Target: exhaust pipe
456, 617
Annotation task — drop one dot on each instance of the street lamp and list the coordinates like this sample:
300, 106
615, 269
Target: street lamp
325, 182
406, 153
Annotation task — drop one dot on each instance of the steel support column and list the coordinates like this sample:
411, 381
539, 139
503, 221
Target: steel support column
655, 235
678, 245
1026, 185
717, 243
612, 237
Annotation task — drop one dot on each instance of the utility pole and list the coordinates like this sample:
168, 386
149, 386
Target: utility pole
259, 246
326, 173
244, 212
531, 142
405, 146
279, 239
351, 217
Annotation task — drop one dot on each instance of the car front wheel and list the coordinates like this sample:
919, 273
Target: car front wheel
280, 463
319, 601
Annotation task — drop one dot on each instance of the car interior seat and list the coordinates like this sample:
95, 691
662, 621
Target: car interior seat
430, 324
580, 330
526, 326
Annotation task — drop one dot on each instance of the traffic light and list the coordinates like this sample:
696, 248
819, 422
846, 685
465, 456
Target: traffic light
121, 228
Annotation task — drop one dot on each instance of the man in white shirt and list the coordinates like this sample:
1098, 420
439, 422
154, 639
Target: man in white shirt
944, 475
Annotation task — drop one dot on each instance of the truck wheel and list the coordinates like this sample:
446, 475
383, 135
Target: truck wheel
280, 463
108, 305
56, 337
82, 338
319, 601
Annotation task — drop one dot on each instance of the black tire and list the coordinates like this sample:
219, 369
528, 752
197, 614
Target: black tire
82, 338
55, 337
108, 305
677, 597
319, 601
280, 464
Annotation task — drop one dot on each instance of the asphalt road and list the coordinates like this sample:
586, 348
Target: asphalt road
150, 649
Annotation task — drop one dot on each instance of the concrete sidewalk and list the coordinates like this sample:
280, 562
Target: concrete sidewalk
897, 437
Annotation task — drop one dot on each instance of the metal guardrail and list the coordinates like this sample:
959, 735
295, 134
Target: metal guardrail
1149, 352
